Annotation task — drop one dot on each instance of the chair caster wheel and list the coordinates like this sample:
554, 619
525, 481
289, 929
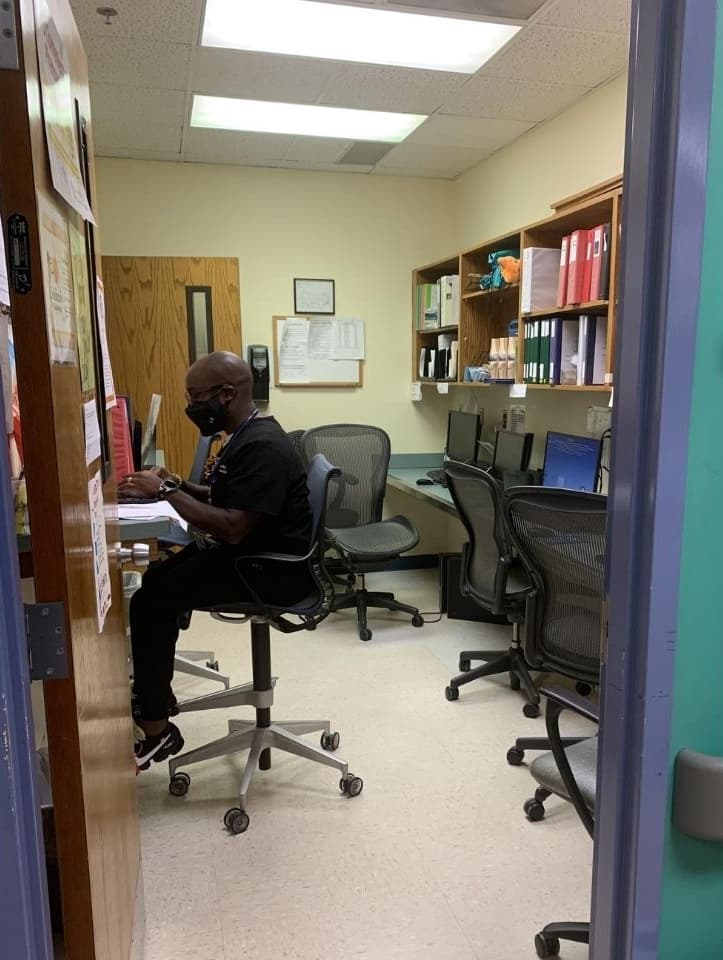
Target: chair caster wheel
179, 784
531, 710
417, 620
452, 693
535, 811
584, 689
365, 634
547, 946
514, 682
464, 665
350, 785
515, 756
330, 741
212, 665
236, 820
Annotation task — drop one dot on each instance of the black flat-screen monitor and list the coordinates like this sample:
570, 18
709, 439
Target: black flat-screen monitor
463, 433
571, 462
512, 451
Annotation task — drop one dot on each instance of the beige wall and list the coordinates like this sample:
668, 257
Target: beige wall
365, 232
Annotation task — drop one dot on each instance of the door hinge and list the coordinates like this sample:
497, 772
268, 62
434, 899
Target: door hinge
9, 58
47, 643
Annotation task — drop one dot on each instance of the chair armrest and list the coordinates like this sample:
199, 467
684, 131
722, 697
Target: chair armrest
569, 700
559, 699
278, 557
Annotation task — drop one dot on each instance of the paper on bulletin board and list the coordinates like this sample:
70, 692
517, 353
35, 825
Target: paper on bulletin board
4, 285
100, 550
57, 282
348, 338
110, 400
92, 432
58, 113
83, 308
294, 351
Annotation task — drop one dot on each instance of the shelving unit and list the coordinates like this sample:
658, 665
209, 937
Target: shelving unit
485, 314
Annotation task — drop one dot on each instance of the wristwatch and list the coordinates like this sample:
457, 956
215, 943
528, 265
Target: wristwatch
168, 486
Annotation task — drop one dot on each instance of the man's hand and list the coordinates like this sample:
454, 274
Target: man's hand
145, 483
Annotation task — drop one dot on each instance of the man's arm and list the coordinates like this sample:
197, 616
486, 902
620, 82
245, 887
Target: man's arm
196, 490
223, 523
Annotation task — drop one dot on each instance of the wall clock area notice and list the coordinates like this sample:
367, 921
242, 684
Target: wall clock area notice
313, 296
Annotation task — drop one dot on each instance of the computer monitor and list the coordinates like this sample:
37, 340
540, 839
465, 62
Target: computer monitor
463, 433
512, 451
148, 443
571, 462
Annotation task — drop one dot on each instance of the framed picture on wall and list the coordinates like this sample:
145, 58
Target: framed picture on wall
313, 296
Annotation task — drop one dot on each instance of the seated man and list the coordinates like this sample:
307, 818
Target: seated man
257, 501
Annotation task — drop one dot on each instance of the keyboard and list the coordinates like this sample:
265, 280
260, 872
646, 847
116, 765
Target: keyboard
438, 476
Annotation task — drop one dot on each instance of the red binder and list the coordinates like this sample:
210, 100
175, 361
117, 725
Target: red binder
562, 285
597, 250
576, 266
587, 273
122, 449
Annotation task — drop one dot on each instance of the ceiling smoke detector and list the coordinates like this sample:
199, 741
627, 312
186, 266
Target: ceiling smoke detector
108, 13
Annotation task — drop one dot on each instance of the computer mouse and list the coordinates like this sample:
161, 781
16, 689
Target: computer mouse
425, 482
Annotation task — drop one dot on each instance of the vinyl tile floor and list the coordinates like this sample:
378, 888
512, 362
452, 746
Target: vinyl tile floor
434, 860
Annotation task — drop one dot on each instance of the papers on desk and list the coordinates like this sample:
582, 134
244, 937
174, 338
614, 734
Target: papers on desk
140, 512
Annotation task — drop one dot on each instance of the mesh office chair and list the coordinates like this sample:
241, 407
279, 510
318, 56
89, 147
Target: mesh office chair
261, 736
296, 436
569, 772
491, 577
560, 537
355, 529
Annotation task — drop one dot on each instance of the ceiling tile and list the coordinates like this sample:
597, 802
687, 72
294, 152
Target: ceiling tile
466, 132
370, 87
421, 172
227, 146
423, 156
259, 76
138, 63
110, 100
175, 21
316, 149
139, 133
550, 54
512, 99
604, 16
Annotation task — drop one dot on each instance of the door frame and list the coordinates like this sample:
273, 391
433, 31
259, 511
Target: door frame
667, 138
24, 915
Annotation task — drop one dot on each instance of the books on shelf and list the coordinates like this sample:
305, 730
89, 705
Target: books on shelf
566, 351
428, 306
449, 300
540, 278
576, 266
438, 303
562, 279
569, 338
439, 362
584, 273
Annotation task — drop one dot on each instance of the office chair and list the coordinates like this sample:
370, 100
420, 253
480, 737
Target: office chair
571, 773
296, 436
261, 736
491, 577
560, 537
355, 529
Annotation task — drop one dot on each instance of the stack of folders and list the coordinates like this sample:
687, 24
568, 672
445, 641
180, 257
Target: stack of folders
438, 303
584, 271
503, 359
566, 351
540, 271
440, 362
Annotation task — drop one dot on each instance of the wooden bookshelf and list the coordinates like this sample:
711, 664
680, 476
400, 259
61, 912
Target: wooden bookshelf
485, 314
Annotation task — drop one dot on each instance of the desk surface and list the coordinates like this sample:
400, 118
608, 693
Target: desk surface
160, 528
405, 479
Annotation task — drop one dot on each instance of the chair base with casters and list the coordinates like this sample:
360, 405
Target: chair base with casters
516, 754
496, 662
360, 598
547, 941
261, 737
187, 661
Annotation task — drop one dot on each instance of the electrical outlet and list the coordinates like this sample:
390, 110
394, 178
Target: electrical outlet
598, 420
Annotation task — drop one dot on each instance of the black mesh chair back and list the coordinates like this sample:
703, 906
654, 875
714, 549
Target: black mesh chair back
487, 555
560, 536
320, 476
362, 453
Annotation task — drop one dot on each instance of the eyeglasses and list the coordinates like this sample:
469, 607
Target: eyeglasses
207, 393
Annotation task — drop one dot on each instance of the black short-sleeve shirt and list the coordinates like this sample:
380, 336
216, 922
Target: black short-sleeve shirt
259, 470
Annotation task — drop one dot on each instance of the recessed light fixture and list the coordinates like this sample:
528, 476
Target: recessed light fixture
261, 116
364, 35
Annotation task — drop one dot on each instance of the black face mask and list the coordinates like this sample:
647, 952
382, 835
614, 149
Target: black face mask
208, 415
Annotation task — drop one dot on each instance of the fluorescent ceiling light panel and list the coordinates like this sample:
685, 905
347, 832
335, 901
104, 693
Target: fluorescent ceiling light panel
329, 31
306, 120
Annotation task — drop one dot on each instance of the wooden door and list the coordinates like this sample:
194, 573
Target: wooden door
150, 309
88, 715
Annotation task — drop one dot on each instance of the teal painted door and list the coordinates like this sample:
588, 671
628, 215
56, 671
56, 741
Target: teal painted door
692, 898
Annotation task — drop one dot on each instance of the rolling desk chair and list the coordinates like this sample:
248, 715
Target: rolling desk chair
571, 773
262, 735
491, 577
355, 529
560, 537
